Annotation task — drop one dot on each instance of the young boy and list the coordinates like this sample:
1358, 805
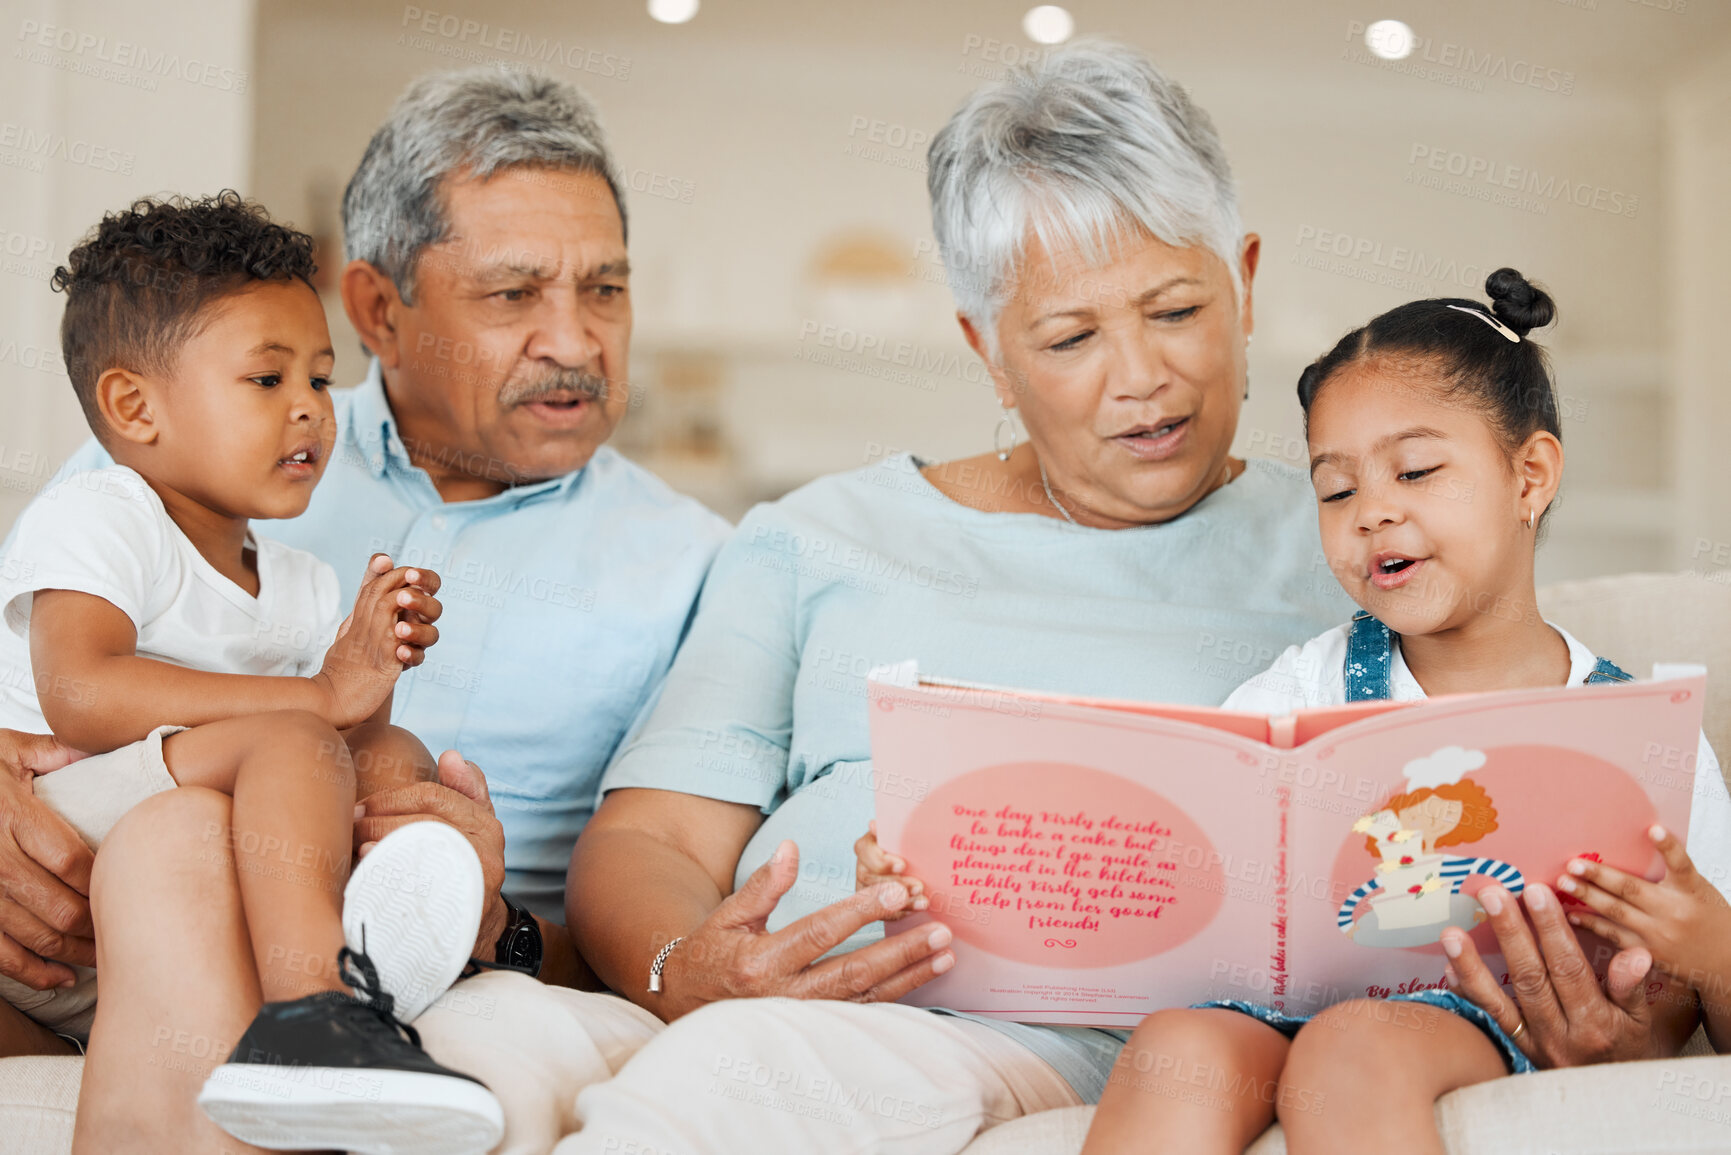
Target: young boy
148, 625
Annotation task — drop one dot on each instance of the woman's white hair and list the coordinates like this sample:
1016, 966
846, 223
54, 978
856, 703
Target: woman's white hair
477, 121
1087, 145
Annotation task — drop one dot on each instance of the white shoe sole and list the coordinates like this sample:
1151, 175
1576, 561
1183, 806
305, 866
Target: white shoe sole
417, 896
368, 1111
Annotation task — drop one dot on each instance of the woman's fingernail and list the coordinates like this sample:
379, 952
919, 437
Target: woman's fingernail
892, 895
1566, 884
1577, 867
1449, 975
921, 902
360, 811
1538, 898
413, 575
943, 963
1656, 833
940, 937
1491, 898
1451, 946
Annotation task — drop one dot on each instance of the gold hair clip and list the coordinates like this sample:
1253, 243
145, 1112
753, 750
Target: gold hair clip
1489, 320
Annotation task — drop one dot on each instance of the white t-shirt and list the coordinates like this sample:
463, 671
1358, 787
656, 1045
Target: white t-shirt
1314, 674
105, 532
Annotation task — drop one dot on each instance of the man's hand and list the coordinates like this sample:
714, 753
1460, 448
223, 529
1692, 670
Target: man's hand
388, 632
459, 798
45, 925
1570, 1020
732, 954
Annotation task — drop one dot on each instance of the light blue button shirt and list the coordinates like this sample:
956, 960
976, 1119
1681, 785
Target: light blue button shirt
564, 603
767, 702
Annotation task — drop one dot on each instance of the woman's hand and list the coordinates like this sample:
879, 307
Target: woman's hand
1568, 1019
732, 954
388, 632
873, 866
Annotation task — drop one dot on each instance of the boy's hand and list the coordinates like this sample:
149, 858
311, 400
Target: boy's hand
1682, 920
388, 632
874, 865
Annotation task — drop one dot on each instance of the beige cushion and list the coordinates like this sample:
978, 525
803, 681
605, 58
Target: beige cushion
1638, 619
1673, 1105
37, 1100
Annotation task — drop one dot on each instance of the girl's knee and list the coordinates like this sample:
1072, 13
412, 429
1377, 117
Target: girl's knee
1365, 1033
1168, 1038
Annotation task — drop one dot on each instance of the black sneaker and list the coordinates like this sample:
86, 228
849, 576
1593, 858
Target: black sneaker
336, 1071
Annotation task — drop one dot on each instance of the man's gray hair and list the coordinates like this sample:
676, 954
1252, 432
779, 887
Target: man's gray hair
476, 122
1087, 144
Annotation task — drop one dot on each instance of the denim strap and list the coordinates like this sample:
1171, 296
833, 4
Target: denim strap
1607, 671
1369, 658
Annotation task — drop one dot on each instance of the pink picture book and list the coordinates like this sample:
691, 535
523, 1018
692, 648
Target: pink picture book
1098, 860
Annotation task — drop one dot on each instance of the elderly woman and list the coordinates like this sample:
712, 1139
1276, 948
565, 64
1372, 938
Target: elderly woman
1087, 214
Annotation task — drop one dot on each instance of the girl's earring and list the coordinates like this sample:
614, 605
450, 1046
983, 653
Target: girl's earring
1004, 423
1532, 518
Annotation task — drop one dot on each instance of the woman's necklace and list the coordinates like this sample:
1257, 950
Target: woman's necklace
1226, 479
1047, 486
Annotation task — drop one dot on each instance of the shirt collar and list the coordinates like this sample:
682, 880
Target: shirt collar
375, 428
376, 436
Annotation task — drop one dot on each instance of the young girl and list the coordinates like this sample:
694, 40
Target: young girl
1435, 452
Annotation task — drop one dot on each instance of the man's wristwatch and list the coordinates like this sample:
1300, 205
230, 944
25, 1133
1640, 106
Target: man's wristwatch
519, 947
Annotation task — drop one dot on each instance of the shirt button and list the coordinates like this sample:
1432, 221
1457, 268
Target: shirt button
438, 521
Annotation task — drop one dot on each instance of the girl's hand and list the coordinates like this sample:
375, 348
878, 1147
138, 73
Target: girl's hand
874, 865
1682, 920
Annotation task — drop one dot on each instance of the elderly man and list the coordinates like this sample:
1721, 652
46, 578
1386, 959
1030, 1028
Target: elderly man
488, 278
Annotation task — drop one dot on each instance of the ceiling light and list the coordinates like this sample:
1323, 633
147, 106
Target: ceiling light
1048, 24
1389, 39
673, 11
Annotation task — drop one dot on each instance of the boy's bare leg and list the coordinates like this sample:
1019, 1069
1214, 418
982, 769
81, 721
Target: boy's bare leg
386, 757
22, 1035
1190, 1080
178, 983
1364, 1076
293, 787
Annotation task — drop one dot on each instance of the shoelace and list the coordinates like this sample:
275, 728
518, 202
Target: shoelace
357, 970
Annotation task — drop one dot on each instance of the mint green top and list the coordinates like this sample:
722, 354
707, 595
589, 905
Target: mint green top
765, 703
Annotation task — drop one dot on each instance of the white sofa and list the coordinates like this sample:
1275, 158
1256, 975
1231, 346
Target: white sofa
1675, 1105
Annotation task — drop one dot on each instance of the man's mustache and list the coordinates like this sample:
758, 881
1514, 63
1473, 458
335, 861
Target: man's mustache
579, 383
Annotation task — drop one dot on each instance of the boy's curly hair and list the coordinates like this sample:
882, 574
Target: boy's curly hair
139, 286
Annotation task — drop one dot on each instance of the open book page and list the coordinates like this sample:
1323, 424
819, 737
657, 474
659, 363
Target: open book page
1082, 857
1395, 823
1100, 860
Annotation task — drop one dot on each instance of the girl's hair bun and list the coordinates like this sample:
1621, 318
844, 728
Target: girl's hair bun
1518, 303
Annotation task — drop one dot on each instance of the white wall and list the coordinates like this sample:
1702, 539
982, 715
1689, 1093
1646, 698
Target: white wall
1698, 153
754, 111
122, 100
